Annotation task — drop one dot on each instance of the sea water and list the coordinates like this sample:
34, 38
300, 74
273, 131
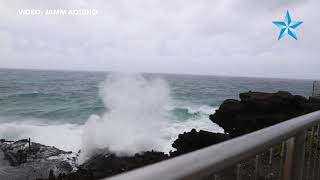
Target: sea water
71, 109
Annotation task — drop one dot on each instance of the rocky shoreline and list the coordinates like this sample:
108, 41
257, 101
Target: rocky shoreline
34, 160
257, 110
38, 161
254, 111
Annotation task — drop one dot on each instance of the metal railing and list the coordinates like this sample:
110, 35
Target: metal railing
288, 139
316, 89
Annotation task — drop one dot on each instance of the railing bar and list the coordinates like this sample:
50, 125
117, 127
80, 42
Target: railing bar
270, 162
295, 156
238, 171
256, 169
216, 177
313, 88
310, 142
287, 168
270, 156
318, 176
314, 163
318, 153
281, 160
311, 151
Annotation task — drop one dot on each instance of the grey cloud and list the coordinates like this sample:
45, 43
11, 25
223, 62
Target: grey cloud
200, 37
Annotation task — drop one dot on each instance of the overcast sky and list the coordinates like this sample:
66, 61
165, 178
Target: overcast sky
214, 37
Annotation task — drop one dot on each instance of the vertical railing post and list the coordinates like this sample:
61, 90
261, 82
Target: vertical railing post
313, 88
238, 172
256, 168
294, 160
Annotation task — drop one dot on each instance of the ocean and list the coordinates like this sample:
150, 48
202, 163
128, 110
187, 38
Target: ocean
76, 110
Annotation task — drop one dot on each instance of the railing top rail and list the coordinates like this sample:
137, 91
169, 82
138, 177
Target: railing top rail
207, 161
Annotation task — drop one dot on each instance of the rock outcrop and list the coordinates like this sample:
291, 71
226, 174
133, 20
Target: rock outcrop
38, 161
34, 161
257, 110
105, 165
193, 140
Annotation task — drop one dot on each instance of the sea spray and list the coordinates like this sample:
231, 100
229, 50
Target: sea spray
63, 136
55, 115
135, 119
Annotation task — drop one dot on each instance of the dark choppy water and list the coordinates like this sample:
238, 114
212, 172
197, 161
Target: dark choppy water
42, 104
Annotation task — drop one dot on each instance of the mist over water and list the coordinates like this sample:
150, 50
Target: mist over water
136, 118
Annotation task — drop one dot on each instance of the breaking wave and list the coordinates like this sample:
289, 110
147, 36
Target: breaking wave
139, 115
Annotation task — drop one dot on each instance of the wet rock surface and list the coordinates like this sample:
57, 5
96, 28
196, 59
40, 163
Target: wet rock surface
34, 161
20, 162
257, 110
106, 165
193, 140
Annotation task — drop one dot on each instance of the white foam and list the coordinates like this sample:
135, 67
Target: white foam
199, 123
63, 136
135, 118
202, 109
193, 109
138, 120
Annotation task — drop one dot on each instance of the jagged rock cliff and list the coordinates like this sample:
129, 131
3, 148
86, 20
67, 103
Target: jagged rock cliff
257, 110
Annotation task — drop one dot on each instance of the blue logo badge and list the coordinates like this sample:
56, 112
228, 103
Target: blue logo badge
287, 26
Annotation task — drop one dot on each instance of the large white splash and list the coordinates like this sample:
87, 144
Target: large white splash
135, 120
140, 117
